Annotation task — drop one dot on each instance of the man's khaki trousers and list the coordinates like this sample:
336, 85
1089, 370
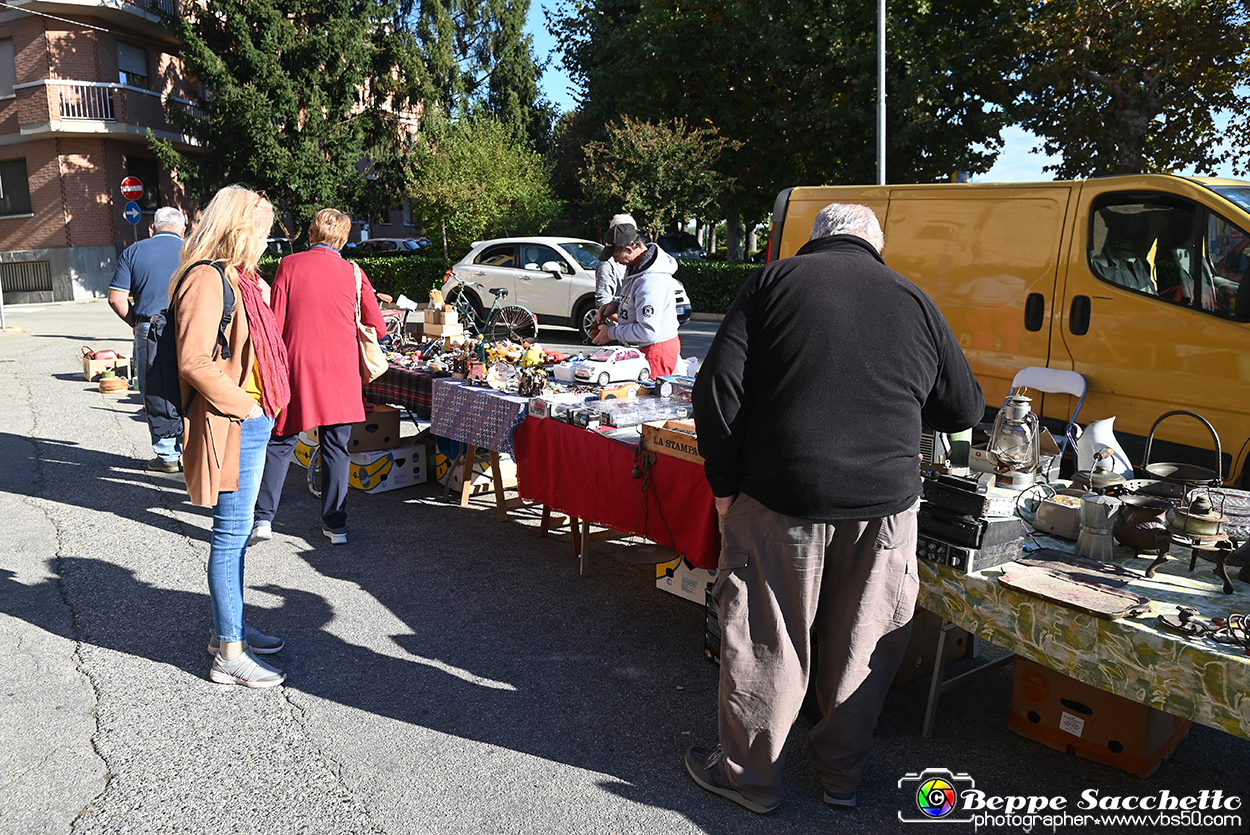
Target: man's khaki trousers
782, 578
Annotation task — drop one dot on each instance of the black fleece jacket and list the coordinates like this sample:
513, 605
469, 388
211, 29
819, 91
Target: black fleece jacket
813, 393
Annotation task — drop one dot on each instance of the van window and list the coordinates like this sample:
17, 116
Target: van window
1166, 247
1227, 258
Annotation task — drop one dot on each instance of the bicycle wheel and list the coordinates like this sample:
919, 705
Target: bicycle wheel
512, 322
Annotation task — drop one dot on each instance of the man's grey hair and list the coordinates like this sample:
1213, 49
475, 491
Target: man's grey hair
849, 219
617, 220
167, 217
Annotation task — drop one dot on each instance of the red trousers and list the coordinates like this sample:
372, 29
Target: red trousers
662, 356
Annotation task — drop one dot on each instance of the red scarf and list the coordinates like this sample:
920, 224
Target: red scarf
275, 374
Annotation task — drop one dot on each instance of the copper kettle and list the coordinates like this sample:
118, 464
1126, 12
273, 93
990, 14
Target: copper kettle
1141, 523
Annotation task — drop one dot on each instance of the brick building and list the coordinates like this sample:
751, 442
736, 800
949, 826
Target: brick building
81, 83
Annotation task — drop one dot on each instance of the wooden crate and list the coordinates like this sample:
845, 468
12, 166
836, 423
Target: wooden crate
657, 436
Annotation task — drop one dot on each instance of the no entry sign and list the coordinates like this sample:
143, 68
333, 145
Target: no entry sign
132, 188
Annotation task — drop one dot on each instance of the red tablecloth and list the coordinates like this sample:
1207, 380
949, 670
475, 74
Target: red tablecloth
587, 475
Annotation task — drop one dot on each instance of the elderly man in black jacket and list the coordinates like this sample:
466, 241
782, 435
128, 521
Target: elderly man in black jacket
809, 409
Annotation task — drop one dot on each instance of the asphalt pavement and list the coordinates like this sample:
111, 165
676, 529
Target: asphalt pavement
447, 673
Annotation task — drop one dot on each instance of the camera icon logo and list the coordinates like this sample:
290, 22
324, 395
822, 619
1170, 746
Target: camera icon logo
934, 793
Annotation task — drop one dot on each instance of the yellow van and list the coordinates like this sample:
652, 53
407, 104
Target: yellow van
1131, 281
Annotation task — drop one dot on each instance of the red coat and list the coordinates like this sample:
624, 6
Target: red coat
314, 300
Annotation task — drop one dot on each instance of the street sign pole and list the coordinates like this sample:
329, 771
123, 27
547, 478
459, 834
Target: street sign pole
132, 190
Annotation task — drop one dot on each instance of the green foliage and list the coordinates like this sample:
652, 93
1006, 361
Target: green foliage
296, 94
473, 178
661, 172
1129, 86
412, 275
713, 285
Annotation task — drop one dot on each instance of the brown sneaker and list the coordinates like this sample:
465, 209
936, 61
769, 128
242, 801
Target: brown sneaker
708, 770
160, 465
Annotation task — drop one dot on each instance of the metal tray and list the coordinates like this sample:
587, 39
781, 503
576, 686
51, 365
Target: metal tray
1094, 598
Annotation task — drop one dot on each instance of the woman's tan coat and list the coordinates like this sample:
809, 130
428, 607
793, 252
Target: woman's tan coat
210, 444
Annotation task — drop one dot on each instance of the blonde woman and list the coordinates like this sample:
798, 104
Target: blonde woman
231, 393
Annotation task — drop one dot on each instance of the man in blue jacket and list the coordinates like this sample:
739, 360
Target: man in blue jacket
809, 409
142, 276
646, 307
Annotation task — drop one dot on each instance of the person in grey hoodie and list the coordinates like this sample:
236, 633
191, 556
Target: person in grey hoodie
645, 312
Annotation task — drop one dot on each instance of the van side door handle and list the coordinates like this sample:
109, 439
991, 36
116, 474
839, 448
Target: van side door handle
1078, 317
1034, 311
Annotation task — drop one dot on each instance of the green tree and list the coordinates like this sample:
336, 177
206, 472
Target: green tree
661, 172
1128, 86
295, 94
474, 177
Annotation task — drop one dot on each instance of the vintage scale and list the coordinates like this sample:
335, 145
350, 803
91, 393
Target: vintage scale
1201, 528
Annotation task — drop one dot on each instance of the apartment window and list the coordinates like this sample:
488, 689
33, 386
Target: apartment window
14, 188
132, 65
148, 173
407, 213
8, 68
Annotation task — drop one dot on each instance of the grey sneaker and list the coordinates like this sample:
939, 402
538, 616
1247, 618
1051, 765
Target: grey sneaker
338, 537
708, 770
247, 670
261, 532
259, 644
846, 801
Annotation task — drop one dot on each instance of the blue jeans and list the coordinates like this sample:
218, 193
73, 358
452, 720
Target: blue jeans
167, 449
232, 527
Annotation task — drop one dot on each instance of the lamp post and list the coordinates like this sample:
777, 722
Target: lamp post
880, 92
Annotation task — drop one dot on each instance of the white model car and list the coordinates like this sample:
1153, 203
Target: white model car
613, 365
553, 277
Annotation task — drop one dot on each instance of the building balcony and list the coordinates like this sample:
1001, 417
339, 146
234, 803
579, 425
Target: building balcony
138, 16
60, 108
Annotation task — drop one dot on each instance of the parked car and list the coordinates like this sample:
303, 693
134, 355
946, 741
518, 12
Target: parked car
613, 365
553, 277
279, 246
682, 246
390, 246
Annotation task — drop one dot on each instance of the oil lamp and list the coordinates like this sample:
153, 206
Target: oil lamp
1014, 447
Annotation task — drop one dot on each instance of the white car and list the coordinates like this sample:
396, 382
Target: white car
613, 365
553, 277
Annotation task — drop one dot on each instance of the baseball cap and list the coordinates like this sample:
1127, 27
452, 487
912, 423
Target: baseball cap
619, 235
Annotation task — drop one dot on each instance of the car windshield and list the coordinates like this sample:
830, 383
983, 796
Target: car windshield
602, 355
1235, 194
584, 252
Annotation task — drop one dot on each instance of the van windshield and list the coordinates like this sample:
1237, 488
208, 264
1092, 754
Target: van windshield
1239, 195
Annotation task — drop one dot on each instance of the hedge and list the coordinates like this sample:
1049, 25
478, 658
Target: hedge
412, 275
713, 285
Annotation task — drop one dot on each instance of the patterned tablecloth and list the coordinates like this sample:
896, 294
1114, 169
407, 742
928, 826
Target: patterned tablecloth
476, 415
403, 387
1133, 657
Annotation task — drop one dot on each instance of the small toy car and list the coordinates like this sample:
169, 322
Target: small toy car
613, 365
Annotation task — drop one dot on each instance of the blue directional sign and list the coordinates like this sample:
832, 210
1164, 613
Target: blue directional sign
131, 212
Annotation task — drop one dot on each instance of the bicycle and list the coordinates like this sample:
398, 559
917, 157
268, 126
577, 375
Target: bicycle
503, 321
396, 319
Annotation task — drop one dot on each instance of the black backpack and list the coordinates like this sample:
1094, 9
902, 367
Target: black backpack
162, 388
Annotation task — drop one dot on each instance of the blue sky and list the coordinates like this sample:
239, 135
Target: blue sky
1016, 164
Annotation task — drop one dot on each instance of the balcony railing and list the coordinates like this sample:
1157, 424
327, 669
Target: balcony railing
85, 101
102, 101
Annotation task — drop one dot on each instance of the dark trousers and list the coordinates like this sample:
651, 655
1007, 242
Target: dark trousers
335, 464
780, 577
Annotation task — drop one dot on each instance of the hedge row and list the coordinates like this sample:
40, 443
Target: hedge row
711, 285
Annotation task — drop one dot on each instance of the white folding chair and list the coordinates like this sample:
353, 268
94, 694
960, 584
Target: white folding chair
1055, 381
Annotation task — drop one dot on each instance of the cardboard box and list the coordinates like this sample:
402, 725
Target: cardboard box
451, 473
92, 369
379, 430
443, 330
388, 469
681, 578
1072, 716
921, 654
658, 437
441, 317
305, 444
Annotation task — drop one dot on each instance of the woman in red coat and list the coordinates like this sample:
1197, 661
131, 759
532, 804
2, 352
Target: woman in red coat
314, 301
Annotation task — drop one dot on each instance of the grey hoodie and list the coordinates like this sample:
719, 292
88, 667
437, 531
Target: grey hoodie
647, 306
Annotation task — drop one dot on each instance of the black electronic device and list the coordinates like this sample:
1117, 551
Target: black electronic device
962, 558
970, 531
966, 497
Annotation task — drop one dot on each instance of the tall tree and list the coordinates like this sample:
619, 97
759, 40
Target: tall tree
474, 177
660, 172
1128, 86
295, 94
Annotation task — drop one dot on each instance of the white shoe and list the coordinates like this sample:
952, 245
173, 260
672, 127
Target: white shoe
261, 532
335, 537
